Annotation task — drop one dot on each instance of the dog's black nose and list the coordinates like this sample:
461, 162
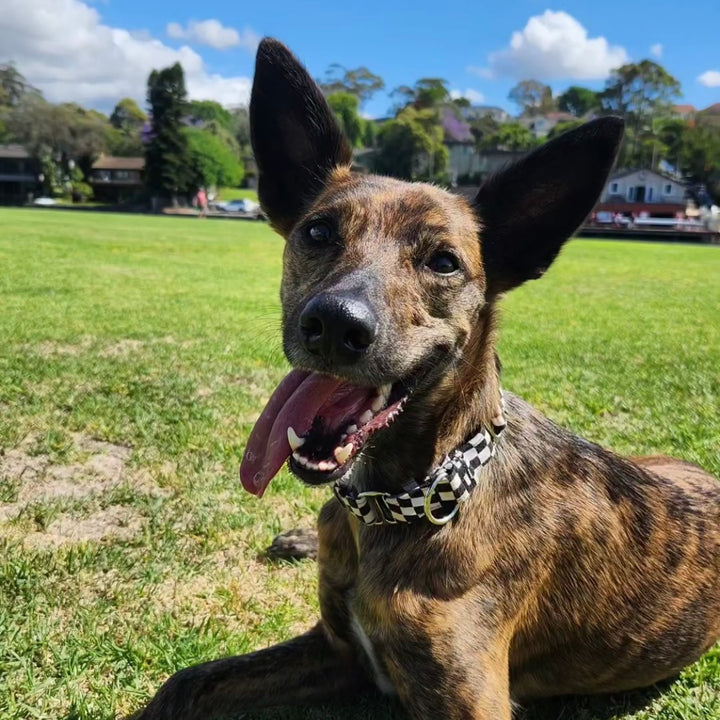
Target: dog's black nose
339, 328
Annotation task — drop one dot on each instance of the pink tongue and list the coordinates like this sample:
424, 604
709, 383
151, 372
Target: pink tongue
295, 403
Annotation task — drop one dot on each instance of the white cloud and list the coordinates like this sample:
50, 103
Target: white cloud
711, 78
63, 48
473, 96
656, 50
214, 34
553, 46
483, 72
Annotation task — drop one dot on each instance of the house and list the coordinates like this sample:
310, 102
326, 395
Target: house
116, 179
684, 112
20, 176
643, 192
541, 125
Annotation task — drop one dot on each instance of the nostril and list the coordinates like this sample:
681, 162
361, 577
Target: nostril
311, 327
359, 338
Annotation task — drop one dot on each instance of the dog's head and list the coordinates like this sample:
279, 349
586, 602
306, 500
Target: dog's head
386, 283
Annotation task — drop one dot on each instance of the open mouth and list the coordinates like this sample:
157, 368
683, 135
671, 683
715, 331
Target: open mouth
321, 424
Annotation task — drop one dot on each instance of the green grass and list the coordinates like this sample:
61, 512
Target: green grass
228, 193
135, 353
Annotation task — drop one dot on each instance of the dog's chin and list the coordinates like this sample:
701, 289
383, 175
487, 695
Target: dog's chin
326, 457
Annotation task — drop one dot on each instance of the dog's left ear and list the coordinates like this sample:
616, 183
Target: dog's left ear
295, 138
530, 209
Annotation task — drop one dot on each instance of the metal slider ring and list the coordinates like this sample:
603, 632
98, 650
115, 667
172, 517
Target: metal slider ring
428, 500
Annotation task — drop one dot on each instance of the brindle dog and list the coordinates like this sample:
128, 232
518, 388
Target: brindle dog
569, 569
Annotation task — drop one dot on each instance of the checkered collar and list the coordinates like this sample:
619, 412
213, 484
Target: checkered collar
439, 496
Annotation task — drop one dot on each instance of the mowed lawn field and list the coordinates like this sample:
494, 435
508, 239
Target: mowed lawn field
135, 353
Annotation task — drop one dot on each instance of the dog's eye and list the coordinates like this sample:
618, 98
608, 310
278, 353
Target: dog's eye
319, 233
443, 263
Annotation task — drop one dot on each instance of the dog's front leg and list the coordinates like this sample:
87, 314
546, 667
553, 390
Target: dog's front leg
306, 669
454, 680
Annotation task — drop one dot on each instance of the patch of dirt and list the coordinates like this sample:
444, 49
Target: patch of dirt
118, 522
121, 348
49, 348
101, 467
127, 346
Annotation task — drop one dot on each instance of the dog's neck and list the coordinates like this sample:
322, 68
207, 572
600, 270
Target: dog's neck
467, 397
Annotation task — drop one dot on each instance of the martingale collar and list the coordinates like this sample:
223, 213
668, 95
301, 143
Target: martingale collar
439, 496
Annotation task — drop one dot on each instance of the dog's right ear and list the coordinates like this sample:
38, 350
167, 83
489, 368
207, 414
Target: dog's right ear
295, 138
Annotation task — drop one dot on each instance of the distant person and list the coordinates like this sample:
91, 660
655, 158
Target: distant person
202, 203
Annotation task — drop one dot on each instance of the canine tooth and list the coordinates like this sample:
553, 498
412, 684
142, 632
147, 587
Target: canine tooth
366, 417
294, 439
384, 391
343, 453
378, 404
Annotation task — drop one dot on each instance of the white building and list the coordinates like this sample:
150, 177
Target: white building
643, 186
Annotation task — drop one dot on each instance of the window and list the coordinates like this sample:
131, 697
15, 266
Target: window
649, 195
631, 193
613, 188
668, 189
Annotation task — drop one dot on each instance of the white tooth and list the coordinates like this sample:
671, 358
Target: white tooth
366, 417
384, 391
326, 465
378, 404
351, 429
294, 439
343, 453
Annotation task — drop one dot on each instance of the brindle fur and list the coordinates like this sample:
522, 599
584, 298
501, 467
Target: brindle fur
570, 570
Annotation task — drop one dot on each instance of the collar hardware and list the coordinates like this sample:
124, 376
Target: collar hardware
439, 496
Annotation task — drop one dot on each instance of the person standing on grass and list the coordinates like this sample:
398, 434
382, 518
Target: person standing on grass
201, 200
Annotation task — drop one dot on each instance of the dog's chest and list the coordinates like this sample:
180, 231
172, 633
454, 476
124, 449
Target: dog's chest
379, 675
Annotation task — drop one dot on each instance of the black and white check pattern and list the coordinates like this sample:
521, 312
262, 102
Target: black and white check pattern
449, 485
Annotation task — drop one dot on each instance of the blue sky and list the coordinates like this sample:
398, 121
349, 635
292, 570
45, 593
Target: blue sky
95, 51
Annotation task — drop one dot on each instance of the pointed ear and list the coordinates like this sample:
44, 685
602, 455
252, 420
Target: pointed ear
528, 210
295, 139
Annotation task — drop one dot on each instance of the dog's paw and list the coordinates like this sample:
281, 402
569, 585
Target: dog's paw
294, 544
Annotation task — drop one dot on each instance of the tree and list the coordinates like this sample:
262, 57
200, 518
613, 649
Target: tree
411, 145
532, 97
484, 129
166, 154
13, 90
639, 92
699, 156
513, 136
211, 162
359, 82
578, 101
205, 111
241, 127
345, 106
13, 86
563, 127
128, 117
64, 136
426, 93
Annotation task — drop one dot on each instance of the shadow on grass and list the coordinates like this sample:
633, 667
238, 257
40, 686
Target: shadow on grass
598, 707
